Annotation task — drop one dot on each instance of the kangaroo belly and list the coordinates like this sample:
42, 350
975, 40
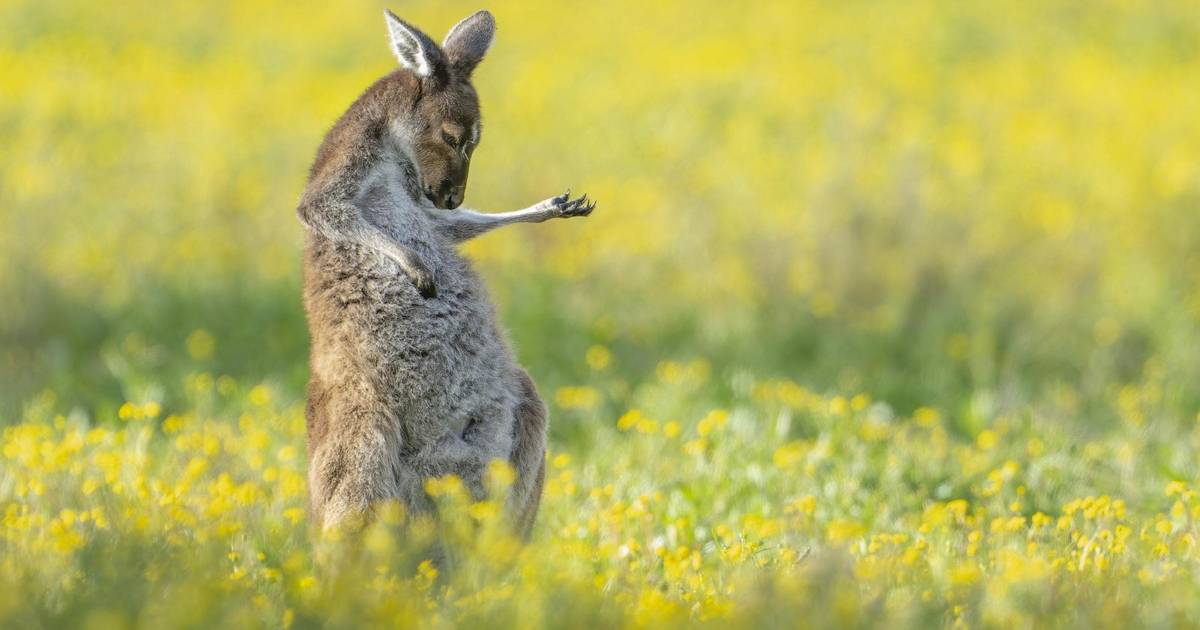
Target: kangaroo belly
438, 365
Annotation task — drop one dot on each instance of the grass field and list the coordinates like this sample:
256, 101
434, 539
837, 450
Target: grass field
889, 315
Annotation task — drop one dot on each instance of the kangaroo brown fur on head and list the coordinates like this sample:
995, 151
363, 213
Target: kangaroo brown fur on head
411, 376
446, 117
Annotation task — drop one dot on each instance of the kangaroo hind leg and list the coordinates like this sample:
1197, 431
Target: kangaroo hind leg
353, 467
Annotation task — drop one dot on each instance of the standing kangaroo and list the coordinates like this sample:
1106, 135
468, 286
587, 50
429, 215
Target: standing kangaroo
411, 377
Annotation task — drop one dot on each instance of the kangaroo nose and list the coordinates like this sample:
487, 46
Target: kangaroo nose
456, 197
441, 196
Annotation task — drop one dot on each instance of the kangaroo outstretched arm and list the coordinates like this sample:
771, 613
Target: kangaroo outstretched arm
462, 225
328, 208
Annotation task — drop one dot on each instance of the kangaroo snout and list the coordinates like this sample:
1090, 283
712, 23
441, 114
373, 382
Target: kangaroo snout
456, 197
446, 196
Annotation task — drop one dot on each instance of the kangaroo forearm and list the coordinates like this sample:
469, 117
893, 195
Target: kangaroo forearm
464, 225
343, 221
329, 205
335, 220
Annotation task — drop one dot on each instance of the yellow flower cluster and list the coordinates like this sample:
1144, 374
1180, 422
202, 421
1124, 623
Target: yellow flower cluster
643, 534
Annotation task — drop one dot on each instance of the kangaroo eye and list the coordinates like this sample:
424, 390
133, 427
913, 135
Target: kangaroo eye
449, 139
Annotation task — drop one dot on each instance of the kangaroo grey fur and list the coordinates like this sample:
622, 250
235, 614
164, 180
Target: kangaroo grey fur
411, 377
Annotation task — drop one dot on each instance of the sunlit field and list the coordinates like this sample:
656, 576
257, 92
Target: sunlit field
889, 316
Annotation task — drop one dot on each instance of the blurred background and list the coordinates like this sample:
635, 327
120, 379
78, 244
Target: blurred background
969, 205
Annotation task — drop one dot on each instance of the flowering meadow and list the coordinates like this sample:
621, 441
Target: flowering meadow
889, 316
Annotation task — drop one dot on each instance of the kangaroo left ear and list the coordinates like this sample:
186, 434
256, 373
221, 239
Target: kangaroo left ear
414, 49
468, 41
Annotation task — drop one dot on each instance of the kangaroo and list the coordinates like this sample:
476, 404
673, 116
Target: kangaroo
410, 375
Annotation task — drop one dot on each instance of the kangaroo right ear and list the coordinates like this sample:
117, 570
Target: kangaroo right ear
469, 40
414, 49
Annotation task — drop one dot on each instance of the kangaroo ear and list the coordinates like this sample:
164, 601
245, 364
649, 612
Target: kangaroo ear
415, 50
468, 41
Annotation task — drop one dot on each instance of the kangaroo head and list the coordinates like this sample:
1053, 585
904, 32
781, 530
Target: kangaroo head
443, 125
